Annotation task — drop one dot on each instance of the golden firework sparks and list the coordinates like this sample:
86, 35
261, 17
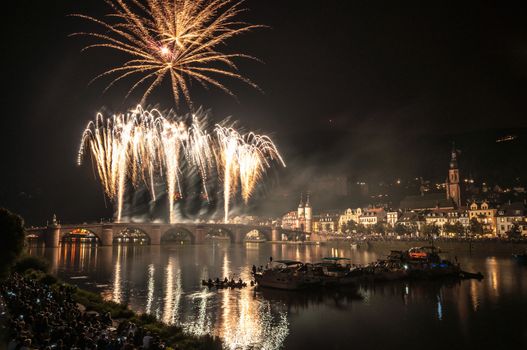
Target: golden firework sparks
171, 39
145, 146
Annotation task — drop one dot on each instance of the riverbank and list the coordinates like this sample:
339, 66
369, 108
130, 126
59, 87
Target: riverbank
465, 246
42, 313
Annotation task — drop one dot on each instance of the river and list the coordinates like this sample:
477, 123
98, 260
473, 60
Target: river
165, 281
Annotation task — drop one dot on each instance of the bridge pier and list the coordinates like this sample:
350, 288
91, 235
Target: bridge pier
52, 236
238, 236
155, 235
106, 236
275, 234
199, 235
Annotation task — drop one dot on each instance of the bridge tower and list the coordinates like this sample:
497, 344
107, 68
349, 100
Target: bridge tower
308, 212
300, 216
52, 234
107, 235
275, 234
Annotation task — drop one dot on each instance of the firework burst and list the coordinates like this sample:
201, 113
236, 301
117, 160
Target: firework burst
145, 147
177, 40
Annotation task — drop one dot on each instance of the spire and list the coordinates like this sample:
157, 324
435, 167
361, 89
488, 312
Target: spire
301, 204
453, 159
307, 200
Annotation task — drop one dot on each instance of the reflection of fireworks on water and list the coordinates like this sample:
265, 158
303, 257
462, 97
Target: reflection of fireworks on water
171, 39
145, 146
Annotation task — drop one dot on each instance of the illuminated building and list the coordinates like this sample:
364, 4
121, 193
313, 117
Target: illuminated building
372, 216
290, 221
485, 215
392, 217
349, 215
326, 222
412, 220
509, 215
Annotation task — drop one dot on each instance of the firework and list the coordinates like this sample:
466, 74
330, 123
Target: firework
145, 147
177, 40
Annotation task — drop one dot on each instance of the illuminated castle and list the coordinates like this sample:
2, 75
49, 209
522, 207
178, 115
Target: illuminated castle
304, 219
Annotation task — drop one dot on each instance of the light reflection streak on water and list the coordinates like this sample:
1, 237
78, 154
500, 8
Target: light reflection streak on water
202, 325
151, 284
474, 294
82, 254
225, 327
439, 307
116, 292
173, 291
492, 268
250, 324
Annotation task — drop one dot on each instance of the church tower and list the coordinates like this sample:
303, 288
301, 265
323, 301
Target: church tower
309, 215
452, 186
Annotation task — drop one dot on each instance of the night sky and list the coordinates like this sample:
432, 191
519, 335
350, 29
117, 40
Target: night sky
356, 87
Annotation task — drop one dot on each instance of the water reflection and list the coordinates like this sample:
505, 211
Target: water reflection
166, 282
173, 291
151, 286
116, 292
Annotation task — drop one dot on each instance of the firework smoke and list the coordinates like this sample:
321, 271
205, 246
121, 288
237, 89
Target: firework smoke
143, 147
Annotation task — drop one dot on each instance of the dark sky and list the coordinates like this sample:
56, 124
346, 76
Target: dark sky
339, 78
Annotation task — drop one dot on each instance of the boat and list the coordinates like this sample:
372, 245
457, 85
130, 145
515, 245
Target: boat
415, 263
470, 275
223, 284
333, 271
520, 257
287, 275
425, 262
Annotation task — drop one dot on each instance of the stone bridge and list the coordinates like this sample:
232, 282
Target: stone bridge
157, 233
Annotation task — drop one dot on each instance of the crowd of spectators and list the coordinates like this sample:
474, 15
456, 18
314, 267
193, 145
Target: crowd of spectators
44, 317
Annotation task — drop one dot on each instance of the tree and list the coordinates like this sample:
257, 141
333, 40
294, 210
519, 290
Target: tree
430, 229
448, 228
476, 228
514, 232
401, 230
351, 226
412, 228
12, 236
458, 229
379, 228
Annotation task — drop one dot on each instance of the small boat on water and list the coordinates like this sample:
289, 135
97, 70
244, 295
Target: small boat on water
520, 257
223, 284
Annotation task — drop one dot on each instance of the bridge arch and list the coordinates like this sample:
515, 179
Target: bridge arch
131, 235
220, 233
256, 235
80, 235
177, 235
